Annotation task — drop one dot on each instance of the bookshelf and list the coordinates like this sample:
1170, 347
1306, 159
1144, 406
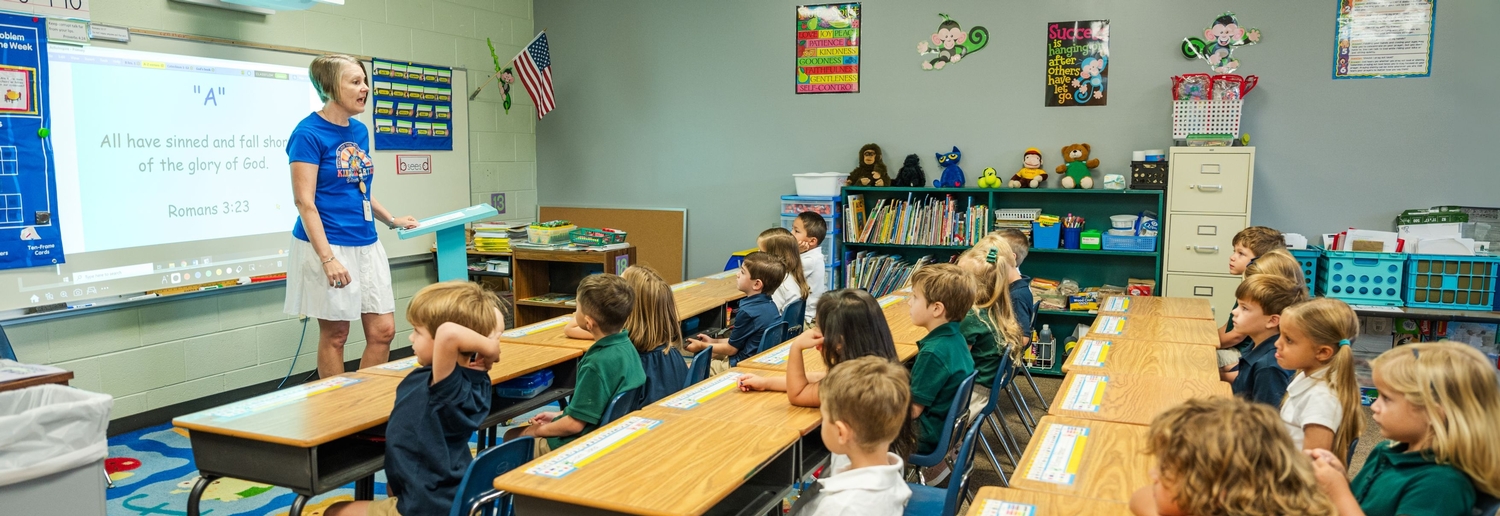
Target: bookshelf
537, 273
1087, 267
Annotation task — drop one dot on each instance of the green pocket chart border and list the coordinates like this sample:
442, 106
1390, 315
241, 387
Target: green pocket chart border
413, 105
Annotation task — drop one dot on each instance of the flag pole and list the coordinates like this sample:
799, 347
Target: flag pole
496, 75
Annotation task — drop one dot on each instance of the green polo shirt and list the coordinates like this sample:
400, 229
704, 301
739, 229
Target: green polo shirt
1394, 482
942, 363
609, 367
983, 344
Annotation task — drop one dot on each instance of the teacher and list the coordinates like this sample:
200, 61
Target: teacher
337, 270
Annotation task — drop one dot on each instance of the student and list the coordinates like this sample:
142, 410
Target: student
1261, 299
941, 296
1440, 408
1023, 304
990, 327
455, 334
850, 325
654, 329
1278, 262
809, 229
780, 243
1222, 456
1249, 244
862, 403
758, 274
609, 367
1322, 403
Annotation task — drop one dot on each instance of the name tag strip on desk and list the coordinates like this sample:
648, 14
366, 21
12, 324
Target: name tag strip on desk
999, 508
1117, 304
557, 322
1086, 392
281, 398
399, 365
601, 442
1057, 459
1091, 353
701, 393
685, 285
1110, 325
887, 301
777, 356
724, 275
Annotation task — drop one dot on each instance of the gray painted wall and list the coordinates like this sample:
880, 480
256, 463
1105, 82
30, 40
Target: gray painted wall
672, 103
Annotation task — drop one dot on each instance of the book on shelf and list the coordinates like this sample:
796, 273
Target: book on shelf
554, 298
880, 274
924, 221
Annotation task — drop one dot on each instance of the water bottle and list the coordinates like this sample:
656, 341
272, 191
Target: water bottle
1046, 337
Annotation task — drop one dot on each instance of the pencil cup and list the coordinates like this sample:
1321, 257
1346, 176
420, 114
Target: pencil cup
1071, 237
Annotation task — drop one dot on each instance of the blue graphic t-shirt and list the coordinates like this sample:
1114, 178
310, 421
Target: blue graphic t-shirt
339, 152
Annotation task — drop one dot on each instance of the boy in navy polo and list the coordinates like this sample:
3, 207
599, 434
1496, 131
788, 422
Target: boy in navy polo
758, 274
1262, 297
1021, 301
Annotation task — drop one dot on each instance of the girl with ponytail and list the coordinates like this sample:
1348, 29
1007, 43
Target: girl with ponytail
1321, 409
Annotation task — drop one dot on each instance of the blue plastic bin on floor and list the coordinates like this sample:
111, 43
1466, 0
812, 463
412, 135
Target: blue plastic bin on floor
1451, 282
1361, 278
1308, 258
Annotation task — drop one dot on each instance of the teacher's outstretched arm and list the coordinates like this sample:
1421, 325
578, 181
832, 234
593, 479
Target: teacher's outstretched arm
393, 222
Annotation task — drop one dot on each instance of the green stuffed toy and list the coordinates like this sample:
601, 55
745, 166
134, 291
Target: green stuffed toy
988, 179
1076, 169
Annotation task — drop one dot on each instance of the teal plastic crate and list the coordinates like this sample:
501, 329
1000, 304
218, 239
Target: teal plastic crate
1451, 282
1361, 278
1309, 260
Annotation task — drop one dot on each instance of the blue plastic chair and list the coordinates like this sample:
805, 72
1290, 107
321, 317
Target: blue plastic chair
623, 403
1349, 455
933, 501
992, 415
793, 314
5, 350
953, 424
774, 335
698, 371
1485, 505
476, 491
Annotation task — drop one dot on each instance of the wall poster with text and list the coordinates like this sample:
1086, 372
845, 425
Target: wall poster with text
1077, 63
828, 48
29, 232
1382, 39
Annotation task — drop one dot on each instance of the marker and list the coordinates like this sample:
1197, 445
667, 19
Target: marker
85, 305
144, 296
210, 287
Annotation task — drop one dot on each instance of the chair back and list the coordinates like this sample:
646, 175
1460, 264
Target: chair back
5, 350
933, 501
774, 335
793, 314
476, 490
953, 425
1036, 308
698, 371
623, 403
1349, 455
1003, 377
1484, 504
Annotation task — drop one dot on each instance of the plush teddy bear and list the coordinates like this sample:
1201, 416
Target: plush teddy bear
1076, 169
911, 174
871, 169
1031, 174
988, 179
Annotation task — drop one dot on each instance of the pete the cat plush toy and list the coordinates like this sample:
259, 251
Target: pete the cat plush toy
1076, 170
953, 177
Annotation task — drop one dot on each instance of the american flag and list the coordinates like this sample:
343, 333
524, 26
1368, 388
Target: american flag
534, 66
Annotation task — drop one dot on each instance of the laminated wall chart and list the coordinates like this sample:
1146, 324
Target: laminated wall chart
413, 106
29, 232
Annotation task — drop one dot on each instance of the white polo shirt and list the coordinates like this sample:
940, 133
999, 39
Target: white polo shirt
814, 268
870, 491
1310, 401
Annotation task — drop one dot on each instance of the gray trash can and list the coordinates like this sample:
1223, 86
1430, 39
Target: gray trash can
52, 449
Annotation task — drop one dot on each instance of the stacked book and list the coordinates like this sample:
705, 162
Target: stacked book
880, 274
494, 237
1017, 218
927, 221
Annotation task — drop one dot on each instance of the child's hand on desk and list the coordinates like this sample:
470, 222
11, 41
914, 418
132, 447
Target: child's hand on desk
752, 382
544, 418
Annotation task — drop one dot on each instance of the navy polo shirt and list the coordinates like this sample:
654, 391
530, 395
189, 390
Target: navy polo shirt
427, 438
757, 313
1260, 379
1022, 303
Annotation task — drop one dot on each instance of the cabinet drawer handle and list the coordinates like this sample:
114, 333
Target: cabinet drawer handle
1202, 291
1210, 249
1207, 188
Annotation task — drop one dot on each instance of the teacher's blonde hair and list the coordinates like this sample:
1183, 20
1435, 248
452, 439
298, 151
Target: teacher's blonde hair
327, 72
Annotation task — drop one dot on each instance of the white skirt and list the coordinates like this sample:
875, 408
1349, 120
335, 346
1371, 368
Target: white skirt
309, 293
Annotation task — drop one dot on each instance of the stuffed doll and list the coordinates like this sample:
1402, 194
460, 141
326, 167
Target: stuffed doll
1031, 175
988, 179
871, 169
1076, 169
953, 177
911, 174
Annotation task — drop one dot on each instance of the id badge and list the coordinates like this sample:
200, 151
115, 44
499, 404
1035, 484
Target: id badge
368, 216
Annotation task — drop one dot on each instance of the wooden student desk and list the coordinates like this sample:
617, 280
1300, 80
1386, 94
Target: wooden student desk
308, 438
681, 466
775, 359
547, 333
1174, 307
1128, 398
1042, 504
1111, 356
54, 378
1111, 465
698, 296
1155, 329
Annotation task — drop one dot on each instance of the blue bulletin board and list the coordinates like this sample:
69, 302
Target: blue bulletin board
29, 232
413, 106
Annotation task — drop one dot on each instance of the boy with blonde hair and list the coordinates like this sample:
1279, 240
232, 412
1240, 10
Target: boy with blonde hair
863, 402
941, 296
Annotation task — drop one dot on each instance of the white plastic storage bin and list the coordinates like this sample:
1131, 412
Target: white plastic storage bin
52, 448
825, 184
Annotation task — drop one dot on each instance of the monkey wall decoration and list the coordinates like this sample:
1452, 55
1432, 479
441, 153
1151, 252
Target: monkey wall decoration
951, 43
1218, 43
871, 168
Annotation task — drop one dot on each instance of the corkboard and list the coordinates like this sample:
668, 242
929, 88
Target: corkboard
659, 235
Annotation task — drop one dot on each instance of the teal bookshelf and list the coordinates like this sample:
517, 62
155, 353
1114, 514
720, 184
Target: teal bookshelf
1087, 267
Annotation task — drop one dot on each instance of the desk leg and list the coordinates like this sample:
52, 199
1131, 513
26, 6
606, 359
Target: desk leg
297, 505
196, 495
364, 488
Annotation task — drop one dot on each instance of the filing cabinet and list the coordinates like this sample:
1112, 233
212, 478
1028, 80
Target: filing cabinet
1208, 201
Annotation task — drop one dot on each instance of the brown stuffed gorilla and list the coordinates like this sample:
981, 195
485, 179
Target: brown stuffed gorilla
871, 169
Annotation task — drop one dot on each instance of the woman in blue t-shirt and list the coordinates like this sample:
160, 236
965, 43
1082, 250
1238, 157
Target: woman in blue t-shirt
338, 271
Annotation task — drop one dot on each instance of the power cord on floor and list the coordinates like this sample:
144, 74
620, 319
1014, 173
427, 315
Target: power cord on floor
298, 353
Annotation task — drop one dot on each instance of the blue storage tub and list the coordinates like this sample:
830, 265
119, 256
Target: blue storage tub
1308, 258
1361, 278
525, 386
1129, 243
1045, 237
1451, 282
